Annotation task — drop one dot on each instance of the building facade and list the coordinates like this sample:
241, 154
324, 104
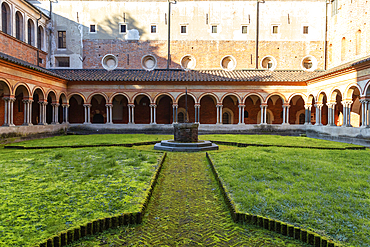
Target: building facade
250, 63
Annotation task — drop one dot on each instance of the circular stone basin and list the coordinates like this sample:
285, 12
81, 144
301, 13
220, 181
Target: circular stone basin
174, 146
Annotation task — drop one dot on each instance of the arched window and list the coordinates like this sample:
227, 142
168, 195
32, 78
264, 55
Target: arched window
18, 26
30, 32
40, 37
5, 16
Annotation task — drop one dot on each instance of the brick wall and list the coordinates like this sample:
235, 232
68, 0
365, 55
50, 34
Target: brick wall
164, 110
208, 54
142, 111
252, 110
208, 110
21, 50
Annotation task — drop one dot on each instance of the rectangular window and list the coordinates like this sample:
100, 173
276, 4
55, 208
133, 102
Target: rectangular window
153, 29
214, 29
244, 29
62, 61
62, 40
275, 29
334, 7
93, 28
305, 29
183, 29
123, 28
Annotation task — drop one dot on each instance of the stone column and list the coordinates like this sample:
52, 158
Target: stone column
111, 113
243, 107
174, 113
366, 114
241, 114
55, 113
198, 114
41, 115
8, 111
347, 113
318, 114
218, 114
284, 113
196, 108
307, 114
108, 113
363, 102
65, 113
87, 113
131, 114
25, 112
262, 114
220, 120
330, 114
152, 113
30, 112
6, 123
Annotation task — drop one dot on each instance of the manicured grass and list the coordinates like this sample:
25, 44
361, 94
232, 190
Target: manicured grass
277, 140
69, 140
46, 191
324, 190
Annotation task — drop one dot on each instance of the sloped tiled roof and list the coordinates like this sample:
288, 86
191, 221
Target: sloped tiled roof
23, 63
181, 75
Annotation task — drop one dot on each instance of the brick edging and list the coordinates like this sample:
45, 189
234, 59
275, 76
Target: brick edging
277, 226
99, 225
238, 144
84, 146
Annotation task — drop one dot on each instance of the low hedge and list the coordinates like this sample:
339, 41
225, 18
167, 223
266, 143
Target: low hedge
277, 226
98, 225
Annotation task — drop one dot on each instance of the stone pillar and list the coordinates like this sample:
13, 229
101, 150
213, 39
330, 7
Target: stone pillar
153, 113
308, 114
198, 114
42, 112
196, 108
318, 114
347, 113
331, 117
8, 111
366, 117
30, 112
6, 123
55, 113
241, 114
131, 114
262, 114
65, 113
25, 112
220, 120
87, 113
284, 113
174, 113
109, 113
218, 114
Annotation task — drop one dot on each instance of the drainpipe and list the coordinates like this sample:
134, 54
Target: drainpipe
50, 30
169, 33
326, 36
37, 39
257, 30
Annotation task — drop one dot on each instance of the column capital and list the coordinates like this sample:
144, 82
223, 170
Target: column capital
241, 105
131, 105
307, 107
87, 105
347, 102
175, 105
65, 105
43, 102
54, 104
109, 104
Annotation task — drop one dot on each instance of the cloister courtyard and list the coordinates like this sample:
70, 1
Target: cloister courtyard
116, 190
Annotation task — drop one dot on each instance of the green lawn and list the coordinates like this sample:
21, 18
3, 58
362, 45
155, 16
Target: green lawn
277, 140
69, 140
324, 190
44, 192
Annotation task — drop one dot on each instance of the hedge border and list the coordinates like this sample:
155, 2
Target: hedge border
99, 225
84, 146
273, 225
238, 144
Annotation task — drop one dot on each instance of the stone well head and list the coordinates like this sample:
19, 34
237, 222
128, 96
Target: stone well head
186, 132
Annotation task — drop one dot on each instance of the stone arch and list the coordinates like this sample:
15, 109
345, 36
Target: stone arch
52, 94
19, 29
336, 97
296, 103
142, 108
25, 89
76, 112
208, 110
141, 94
297, 94
61, 111
120, 103
253, 94
231, 102
6, 19
110, 100
164, 110
21, 93
51, 99
159, 95
333, 94
310, 99
98, 109
191, 103
89, 98
322, 98
230, 94
30, 32
189, 95
212, 95
5, 88
350, 90
69, 96
252, 102
275, 104
276, 94
366, 91
38, 97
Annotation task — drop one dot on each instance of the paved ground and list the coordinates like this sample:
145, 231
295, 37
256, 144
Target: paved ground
187, 210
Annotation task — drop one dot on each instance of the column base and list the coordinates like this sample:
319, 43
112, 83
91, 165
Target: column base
285, 124
8, 125
54, 123
307, 124
27, 124
86, 123
241, 123
42, 124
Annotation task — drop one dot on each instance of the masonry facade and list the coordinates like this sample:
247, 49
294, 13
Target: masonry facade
242, 62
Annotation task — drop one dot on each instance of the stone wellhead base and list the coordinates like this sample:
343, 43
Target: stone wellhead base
173, 146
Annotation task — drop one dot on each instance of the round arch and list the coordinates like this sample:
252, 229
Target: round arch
62, 98
253, 94
230, 94
142, 110
310, 98
40, 89
69, 96
140, 94
276, 94
159, 95
111, 98
76, 113
208, 109
320, 96
297, 94
5, 85
24, 85
350, 89
296, 109
183, 94
366, 89
53, 94
164, 109
214, 96
333, 94
89, 98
